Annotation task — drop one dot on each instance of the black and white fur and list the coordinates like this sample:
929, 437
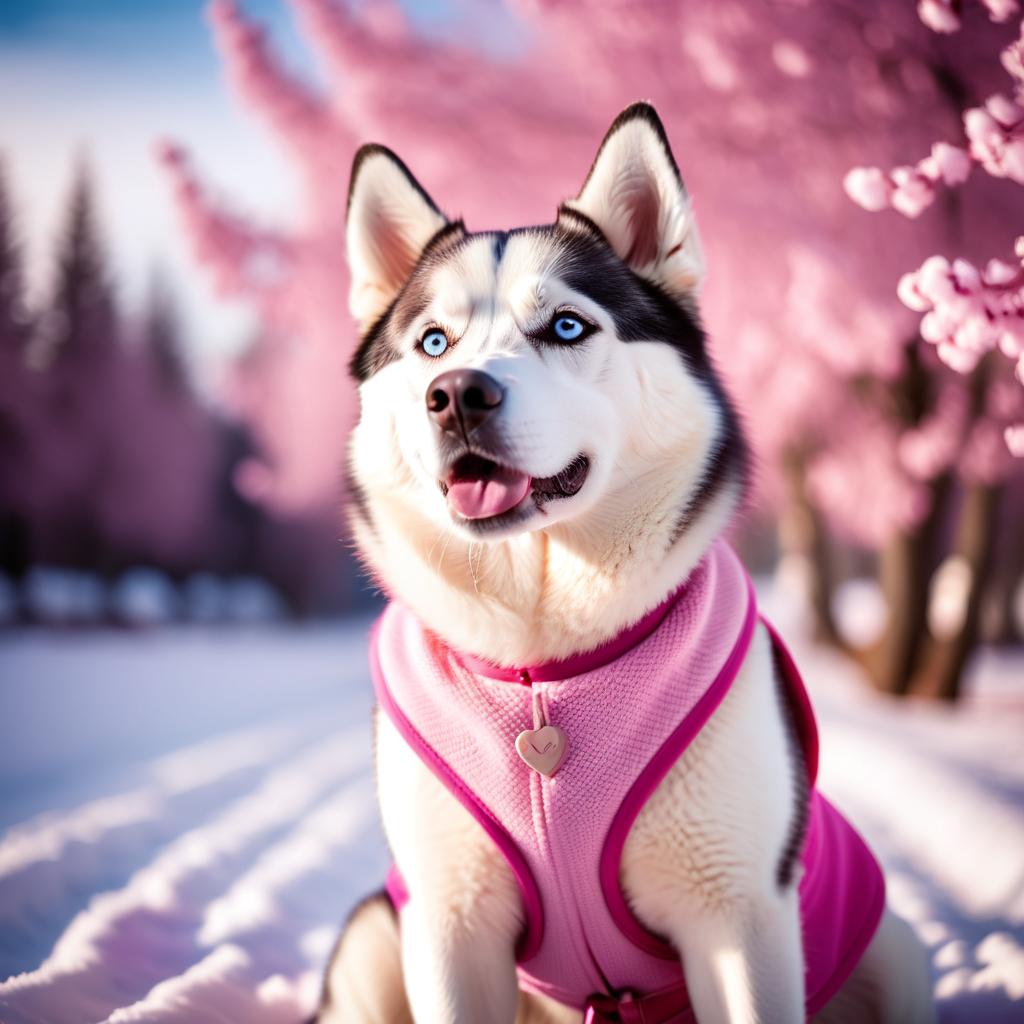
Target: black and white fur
710, 862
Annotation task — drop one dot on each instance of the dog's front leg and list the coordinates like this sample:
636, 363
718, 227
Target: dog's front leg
459, 928
701, 863
456, 973
744, 965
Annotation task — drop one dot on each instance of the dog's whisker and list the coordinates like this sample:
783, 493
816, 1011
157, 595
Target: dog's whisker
472, 570
444, 550
430, 553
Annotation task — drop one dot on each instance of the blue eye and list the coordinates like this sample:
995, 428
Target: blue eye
434, 342
567, 328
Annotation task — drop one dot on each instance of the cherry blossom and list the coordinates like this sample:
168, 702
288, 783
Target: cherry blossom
967, 312
909, 190
996, 134
798, 299
944, 15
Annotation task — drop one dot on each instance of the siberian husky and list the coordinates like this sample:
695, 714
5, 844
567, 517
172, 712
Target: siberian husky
544, 456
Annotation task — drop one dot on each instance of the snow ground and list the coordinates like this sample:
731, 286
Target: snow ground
189, 814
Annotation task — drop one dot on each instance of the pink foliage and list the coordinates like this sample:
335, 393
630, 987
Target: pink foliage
767, 104
910, 190
996, 133
1014, 437
243, 261
939, 15
944, 15
866, 462
932, 446
967, 312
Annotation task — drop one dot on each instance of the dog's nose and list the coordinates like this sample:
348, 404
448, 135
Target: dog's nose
460, 400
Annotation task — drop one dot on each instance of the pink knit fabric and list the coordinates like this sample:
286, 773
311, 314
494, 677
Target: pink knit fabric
629, 710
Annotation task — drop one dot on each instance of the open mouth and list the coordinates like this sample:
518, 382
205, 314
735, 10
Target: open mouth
480, 488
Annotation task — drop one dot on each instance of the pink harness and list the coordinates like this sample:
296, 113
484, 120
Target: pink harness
628, 709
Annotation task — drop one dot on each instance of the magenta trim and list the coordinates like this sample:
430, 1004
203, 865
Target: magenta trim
529, 942
577, 664
797, 692
857, 949
669, 1005
394, 886
640, 792
876, 903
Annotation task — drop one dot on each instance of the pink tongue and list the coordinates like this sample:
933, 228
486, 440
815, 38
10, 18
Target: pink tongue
479, 499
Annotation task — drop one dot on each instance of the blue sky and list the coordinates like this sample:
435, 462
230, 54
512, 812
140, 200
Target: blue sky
108, 78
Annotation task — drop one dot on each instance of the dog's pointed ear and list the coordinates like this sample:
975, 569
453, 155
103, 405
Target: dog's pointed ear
390, 221
635, 195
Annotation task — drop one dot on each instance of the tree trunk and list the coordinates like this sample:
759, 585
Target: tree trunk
905, 571
803, 531
904, 583
941, 672
1000, 623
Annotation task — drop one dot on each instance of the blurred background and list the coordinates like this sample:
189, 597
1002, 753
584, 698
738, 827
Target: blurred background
174, 399
175, 570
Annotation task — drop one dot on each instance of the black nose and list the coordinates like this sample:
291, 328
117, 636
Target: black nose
460, 400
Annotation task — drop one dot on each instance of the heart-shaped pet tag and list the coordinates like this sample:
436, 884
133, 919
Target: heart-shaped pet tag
543, 749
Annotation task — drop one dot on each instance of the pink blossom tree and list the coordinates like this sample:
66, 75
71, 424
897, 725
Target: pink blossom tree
968, 312
968, 315
768, 105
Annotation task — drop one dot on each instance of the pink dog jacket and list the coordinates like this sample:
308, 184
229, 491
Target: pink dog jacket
628, 710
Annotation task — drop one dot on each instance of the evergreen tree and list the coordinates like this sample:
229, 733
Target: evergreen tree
12, 298
81, 323
15, 398
162, 338
76, 348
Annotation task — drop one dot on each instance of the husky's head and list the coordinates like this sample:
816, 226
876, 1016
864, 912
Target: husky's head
543, 450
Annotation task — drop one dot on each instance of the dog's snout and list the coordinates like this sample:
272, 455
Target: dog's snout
461, 400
